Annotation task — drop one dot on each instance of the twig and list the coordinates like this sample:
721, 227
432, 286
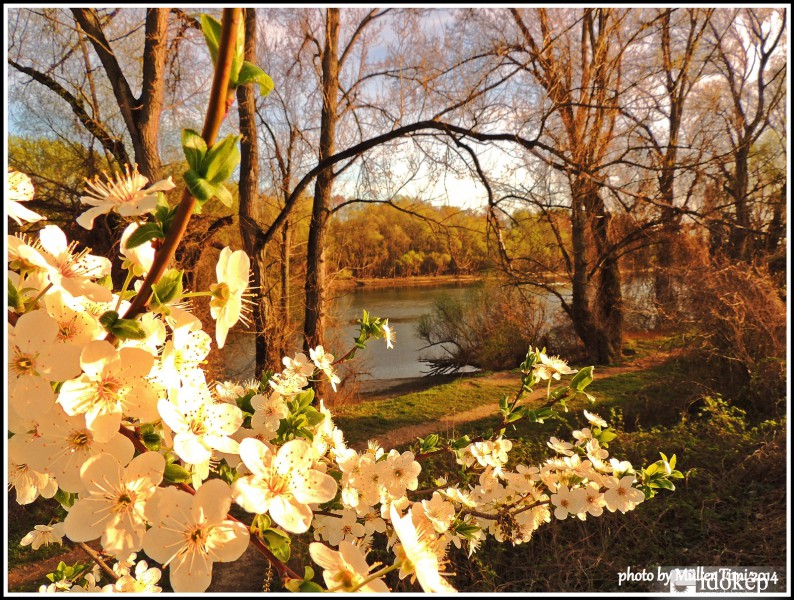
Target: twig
216, 113
97, 559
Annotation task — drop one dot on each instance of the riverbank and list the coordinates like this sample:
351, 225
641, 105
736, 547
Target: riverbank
380, 389
353, 283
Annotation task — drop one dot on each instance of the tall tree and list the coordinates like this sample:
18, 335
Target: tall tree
316, 277
141, 113
577, 62
753, 68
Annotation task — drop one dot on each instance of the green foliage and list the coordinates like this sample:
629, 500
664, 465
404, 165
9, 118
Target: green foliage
144, 233
301, 418
242, 72
123, 329
305, 585
168, 290
209, 167
378, 240
74, 573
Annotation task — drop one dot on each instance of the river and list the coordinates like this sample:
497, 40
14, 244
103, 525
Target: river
404, 307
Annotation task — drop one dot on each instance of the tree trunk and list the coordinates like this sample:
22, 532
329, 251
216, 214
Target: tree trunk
739, 248
147, 117
141, 115
248, 194
286, 242
599, 324
314, 324
666, 253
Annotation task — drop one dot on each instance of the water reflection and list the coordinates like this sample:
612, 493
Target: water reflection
404, 307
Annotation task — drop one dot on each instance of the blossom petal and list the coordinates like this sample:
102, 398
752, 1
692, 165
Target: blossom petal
294, 455
86, 220
213, 500
86, 520
101, 473
135, 362
162, 544
190, 449
171, 416
314, 486
34, 331
292, 516
255, 455
145, 470
96, 356
229, 540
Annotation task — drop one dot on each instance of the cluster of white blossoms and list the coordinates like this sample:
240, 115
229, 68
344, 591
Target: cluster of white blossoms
147, 455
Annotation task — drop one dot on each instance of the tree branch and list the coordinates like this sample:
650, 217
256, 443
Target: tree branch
110, 143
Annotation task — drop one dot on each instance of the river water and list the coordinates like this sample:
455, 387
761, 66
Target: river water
404, 307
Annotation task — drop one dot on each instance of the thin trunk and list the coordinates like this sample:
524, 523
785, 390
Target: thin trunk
314, 324
248, 193
581, 316
147, 118
286, 241
740, 235
667, 246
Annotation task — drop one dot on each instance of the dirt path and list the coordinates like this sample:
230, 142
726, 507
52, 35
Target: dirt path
447, 425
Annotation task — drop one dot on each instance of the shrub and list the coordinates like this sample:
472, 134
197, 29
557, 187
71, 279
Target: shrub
490, 330
738, 323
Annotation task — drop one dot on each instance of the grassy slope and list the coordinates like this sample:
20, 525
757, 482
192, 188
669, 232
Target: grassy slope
729, 511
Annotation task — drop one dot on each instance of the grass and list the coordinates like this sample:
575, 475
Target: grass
364, 420
729, 511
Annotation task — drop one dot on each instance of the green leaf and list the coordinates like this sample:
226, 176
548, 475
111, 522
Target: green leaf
582, 379
65, 498
143, 234
14, 299
560, 392
515, 416
429, 443
106, 281
211, 28
224, 195
606, 436
221, 160
176, 474
169, 289
305, 585
250, 73
201, 189
152, 441
314, 416
108, 318
278, 542
666, 484
195, 148
227, 473
461, 442
304, 399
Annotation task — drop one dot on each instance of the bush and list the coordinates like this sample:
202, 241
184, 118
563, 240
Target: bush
738, 323
490, 330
